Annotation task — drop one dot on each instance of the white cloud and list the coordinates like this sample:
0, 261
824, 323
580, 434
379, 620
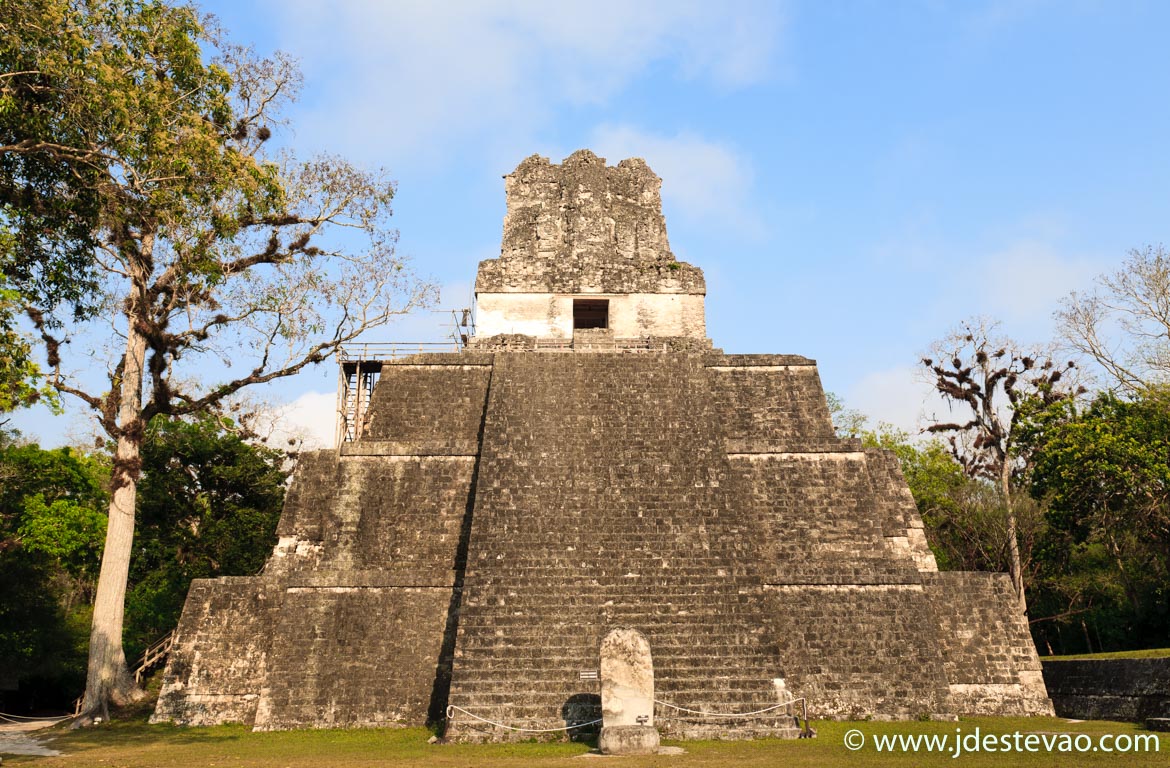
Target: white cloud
312, 417
411, 77
1025, 281
700, 178
897, 396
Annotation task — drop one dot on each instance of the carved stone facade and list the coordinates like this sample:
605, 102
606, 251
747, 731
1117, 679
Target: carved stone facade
585, 232
508, 506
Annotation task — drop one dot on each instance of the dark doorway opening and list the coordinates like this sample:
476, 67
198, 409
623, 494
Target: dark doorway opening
581, 711
590, 313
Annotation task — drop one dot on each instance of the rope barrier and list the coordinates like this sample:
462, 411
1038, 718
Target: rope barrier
451, 709
726, 714
25, 718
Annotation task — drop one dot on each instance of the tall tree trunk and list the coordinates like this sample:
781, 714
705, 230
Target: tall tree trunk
108, 678
1015, 567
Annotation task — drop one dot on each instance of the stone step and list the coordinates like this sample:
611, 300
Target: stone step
659, 619
718, 664
696, 686
667, 630
691, 694
551, 592
514, 608
714, 664
591, 581
731, 596
632, 577
585, 657
519, 705
608, 565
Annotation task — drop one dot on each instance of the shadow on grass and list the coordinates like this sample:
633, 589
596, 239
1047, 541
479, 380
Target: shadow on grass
137, 732
239, 741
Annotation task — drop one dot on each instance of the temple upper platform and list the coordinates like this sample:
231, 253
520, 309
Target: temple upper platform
585, 248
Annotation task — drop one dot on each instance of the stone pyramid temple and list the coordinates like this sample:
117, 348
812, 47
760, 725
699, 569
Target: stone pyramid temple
588, 461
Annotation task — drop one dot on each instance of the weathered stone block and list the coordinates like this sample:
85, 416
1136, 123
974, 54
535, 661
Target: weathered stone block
628, 740
1109, 689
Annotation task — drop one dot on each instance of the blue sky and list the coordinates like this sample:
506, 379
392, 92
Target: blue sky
854, 177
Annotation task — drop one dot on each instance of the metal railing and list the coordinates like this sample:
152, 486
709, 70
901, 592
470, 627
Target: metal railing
391, 350
359, 367
618, 345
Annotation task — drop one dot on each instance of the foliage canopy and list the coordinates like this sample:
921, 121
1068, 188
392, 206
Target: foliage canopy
203, 262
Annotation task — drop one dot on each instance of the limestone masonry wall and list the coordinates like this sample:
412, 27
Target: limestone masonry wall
353, 656
860, 650
219, 661
770, 407
350, 624
424, 406
630, 315
602, 503
1109, 689
583, 229
820, 526
990, 661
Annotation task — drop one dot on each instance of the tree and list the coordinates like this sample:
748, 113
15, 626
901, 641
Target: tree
207, 247
50, 181
847, 422
1104, 472
964, 517
52, 520
208, 505
32, 478
57, 89
21, 381
1124, 324
995, 384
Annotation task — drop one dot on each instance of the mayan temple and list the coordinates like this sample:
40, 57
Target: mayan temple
589, 461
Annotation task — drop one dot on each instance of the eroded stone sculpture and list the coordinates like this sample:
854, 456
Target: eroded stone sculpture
627, 694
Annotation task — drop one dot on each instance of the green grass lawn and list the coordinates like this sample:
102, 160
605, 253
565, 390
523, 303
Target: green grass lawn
1149, 653
135, 744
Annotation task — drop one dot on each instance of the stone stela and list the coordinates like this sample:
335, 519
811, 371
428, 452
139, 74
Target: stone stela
590, 462
627, 695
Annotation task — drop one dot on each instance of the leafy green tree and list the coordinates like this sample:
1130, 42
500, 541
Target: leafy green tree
52, 176
204, 243
847, 422
21, 381
964, 517
58, 95
1104, 472
42, 653
32, 478
67, 531
52, 521
208, 507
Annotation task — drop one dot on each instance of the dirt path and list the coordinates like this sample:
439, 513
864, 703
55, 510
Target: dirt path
17, 737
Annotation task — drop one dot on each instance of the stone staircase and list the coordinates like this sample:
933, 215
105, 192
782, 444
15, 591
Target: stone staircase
607, 506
